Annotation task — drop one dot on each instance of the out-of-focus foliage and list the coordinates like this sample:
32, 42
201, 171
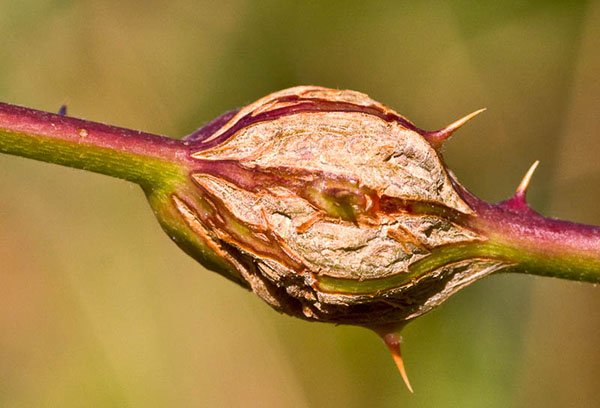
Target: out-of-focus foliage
98, 308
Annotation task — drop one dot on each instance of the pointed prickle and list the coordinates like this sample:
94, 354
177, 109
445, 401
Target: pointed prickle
63, 110
392, 341
519, 201
522, 189
438, 137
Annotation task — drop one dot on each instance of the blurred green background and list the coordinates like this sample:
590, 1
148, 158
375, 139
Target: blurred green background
99, 308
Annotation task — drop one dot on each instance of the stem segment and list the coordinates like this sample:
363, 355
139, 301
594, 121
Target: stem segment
516, 234
535, 244
143, 158
543, 246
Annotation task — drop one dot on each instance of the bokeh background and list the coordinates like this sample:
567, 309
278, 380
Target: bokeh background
99, 308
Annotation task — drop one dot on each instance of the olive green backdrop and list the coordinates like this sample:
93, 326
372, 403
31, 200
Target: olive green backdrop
99, 308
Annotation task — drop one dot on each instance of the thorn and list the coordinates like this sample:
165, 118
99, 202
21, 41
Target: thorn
448, 130
400, 364
393, 340
438, 137
518, 201
522, 189
63, 110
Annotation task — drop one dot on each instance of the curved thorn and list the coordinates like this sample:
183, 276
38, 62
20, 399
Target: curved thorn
400, 364
392, 340
522, 189
438, 137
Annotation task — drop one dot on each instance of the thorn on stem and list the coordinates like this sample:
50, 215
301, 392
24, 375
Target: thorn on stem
438, 137
63, 110
518, 201
522, 189
393, 340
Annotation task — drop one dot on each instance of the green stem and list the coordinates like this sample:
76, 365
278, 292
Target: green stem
515, 234
542, 246
145, 159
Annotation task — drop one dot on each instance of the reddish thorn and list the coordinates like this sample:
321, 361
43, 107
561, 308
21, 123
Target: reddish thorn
522, 189
438, 137
392, 341
518, 200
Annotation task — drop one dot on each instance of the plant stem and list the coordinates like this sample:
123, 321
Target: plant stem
535, 244
145, 159
516, 235
543, 246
